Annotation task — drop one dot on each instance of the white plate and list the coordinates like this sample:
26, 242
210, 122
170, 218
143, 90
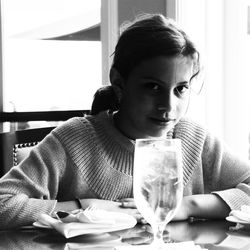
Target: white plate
122, 221
236, 220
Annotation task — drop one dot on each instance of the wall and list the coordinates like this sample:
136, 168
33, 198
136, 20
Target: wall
128, 9
114, 13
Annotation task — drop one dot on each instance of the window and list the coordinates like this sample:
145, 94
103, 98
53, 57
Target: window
220, 28
51, 54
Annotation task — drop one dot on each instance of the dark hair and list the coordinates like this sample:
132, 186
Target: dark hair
104, 99
150, 35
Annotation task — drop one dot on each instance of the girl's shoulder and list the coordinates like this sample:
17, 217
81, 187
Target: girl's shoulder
73, 124
190, 126
74, 128
87, 127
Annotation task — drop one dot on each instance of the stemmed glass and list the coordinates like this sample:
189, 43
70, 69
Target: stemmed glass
158, 182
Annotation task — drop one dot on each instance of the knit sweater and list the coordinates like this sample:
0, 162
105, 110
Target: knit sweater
87, 157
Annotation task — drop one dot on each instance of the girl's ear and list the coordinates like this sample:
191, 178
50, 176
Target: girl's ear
117, 83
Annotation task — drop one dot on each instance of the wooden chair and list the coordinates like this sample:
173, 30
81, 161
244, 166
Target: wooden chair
15, 146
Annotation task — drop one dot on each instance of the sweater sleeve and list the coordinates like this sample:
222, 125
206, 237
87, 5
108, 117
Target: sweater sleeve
31, 187
227, 175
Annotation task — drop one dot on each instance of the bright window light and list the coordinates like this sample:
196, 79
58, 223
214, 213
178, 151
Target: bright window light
51, 54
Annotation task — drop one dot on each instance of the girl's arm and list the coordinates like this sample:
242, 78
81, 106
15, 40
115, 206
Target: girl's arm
31, 187
209, 206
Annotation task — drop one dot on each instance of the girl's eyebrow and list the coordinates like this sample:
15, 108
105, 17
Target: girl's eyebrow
153, 79
184, 82
162, 82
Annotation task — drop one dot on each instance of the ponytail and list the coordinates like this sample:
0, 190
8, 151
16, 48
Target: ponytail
104, 99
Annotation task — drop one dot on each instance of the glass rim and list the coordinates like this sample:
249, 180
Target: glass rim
168, 141
157, 139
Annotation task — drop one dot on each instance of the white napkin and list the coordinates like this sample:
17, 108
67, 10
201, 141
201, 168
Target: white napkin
98, 221
89, 215
242, 215
96, 216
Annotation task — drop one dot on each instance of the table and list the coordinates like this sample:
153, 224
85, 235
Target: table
213, 235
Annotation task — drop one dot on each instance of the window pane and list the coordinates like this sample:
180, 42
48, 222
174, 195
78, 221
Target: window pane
51, 54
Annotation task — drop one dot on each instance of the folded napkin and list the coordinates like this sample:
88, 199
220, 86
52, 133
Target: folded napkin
87, 222
167, 246
241, 218
89, 215
242, 215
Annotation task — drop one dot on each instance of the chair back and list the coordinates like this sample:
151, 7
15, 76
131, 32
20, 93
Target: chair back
15, 146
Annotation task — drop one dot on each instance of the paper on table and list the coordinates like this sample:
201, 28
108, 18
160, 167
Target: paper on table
243, 214
96, 216
89, 215
241, 217
71, 229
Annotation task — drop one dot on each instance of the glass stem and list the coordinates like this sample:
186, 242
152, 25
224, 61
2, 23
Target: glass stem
158, 232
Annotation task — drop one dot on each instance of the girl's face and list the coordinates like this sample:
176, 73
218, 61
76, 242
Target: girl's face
155, 97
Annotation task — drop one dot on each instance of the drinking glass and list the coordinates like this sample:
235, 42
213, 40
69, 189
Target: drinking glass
158, 182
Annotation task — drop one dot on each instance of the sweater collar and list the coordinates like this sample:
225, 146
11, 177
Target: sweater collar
191, 134
107, 120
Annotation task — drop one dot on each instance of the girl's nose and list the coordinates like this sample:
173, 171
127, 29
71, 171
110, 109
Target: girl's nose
166, 102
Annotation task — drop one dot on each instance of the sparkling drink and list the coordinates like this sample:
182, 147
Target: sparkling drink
158, 181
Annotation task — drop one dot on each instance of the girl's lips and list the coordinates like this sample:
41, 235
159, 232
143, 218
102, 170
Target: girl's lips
162, 121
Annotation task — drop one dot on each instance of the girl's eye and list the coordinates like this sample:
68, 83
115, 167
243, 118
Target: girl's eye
182, 89
152, 86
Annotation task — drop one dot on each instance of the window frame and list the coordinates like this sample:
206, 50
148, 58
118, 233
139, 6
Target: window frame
109, 26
